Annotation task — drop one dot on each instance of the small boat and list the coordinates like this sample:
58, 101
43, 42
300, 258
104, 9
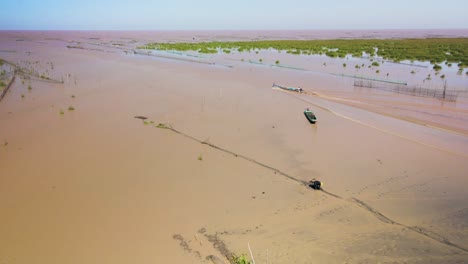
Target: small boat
294, 89
310, 116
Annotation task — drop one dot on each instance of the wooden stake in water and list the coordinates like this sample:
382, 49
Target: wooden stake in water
251, 255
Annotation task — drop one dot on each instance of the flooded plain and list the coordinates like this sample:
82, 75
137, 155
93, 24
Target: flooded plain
222, 160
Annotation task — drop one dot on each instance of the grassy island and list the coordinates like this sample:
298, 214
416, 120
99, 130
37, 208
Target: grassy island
435, 50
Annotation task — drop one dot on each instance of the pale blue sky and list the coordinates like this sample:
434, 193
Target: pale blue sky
239, 14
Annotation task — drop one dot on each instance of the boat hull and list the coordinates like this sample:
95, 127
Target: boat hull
310, 116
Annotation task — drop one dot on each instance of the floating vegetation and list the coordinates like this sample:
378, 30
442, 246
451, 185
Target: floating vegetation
162, 126
277, 62
239, 260
437, 67
376, 64
435, 50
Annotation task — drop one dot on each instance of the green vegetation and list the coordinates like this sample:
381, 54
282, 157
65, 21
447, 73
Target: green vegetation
61, 112
344, 65
162, 126
437, 67
435, 50
239, 260
227, 51
413, 72
29, 87
2, 84
377, 71
22, 96
260, 60
71, 108
277, 62
442, 76
73, 96
376, 64
207, 50
200, 157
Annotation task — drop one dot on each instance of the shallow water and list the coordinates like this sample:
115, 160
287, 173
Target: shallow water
97, 185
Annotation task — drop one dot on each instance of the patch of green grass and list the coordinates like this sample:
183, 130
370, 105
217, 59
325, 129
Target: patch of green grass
376, 64
61, 112
260, 60
200, 158
207, 50
146, 122
442, 76
277, 62
377, 71
437, 67
239, 260
71, 108
344, 65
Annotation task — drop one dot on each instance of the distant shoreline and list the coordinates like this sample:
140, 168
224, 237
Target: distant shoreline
312, 34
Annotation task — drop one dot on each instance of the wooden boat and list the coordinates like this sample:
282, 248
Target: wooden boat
310, 116
294, 89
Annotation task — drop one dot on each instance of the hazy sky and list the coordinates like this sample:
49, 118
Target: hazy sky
238, 14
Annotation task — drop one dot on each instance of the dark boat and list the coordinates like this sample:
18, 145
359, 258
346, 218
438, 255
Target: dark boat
310, 116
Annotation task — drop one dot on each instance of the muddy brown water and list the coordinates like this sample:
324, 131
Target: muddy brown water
97, 185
